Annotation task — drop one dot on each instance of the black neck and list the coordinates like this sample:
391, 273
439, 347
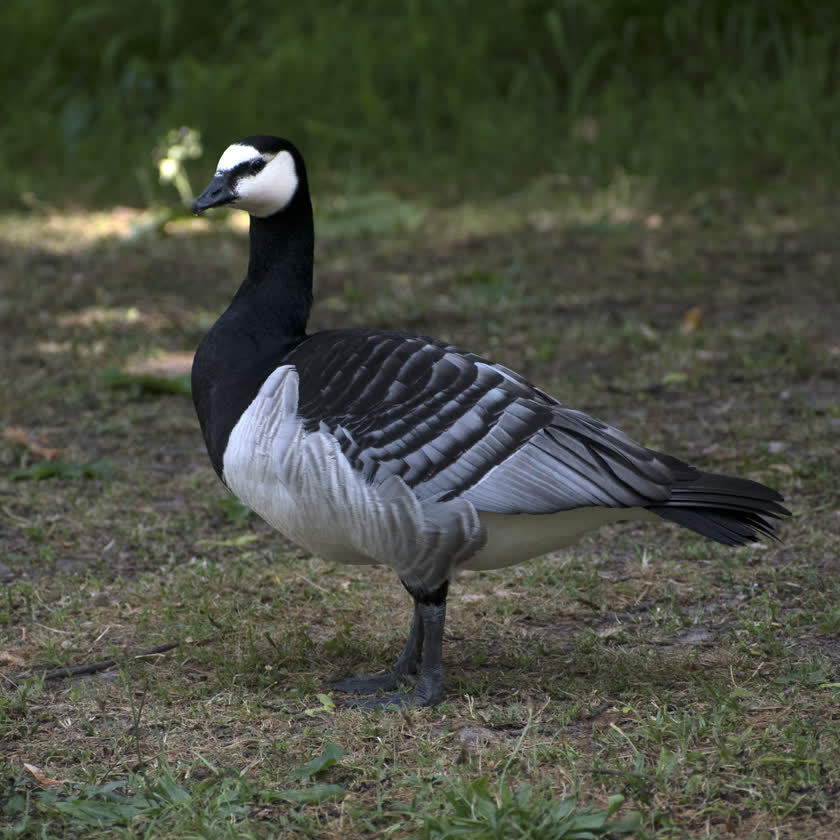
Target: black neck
265, 321
276, 293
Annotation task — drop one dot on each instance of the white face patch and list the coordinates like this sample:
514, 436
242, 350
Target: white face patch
269, 190
234, 155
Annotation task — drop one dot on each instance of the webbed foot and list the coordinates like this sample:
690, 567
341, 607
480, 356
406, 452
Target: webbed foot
366, 684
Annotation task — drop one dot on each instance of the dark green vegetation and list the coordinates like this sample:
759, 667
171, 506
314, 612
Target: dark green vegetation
438, 97
701, 684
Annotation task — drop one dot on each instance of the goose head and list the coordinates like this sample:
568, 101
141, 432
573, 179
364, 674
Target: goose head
259, 174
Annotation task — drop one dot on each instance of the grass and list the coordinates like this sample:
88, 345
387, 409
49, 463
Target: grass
436, 98
645, 683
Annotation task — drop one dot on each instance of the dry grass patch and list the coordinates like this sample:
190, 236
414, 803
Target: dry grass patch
699, 684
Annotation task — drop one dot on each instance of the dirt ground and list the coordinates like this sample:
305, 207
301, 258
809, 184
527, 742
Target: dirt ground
700, 682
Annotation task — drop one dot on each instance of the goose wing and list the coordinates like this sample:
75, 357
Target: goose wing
453, 425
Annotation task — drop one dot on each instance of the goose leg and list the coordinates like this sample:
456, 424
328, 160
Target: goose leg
423, 652
429, 688
408, 662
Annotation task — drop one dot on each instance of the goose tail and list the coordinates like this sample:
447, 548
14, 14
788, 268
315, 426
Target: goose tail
732, 511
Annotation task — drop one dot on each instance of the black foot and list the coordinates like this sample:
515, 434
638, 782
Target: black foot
422, 655
387, 702
427, 692
367, 684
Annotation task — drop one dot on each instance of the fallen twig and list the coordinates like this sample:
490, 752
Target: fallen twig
93, 667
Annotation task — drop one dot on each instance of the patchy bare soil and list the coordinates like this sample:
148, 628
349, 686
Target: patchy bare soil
700, 682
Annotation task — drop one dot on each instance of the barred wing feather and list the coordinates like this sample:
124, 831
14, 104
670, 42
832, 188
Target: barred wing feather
453, 425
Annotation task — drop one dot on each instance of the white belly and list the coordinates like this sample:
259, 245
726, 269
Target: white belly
519, 537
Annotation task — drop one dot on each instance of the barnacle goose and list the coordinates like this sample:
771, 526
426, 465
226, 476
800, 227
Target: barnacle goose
378, 446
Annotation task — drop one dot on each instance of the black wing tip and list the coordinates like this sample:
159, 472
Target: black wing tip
728, 510
727, 527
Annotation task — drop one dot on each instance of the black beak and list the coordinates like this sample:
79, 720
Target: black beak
218, 192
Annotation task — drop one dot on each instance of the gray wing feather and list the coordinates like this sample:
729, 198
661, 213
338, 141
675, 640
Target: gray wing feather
561, 468
453, 425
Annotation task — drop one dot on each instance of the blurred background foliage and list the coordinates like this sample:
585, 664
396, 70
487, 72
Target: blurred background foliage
440, 98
